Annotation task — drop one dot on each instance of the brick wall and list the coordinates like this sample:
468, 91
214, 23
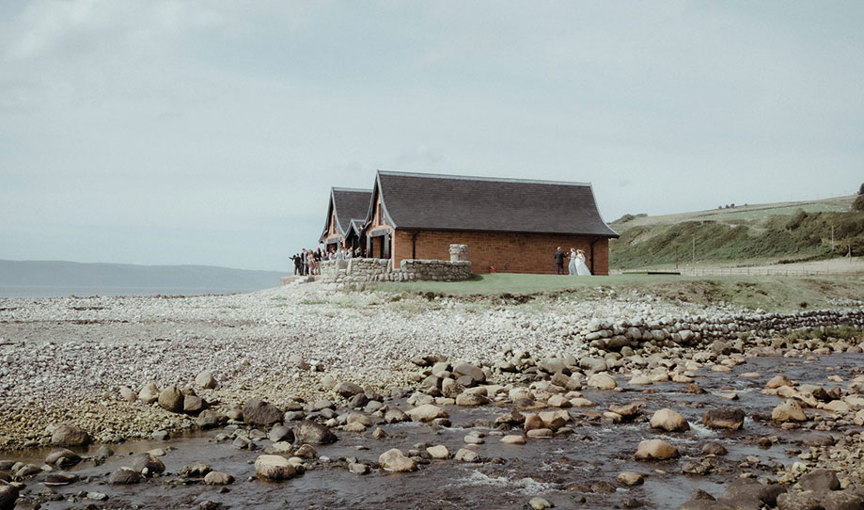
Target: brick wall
508, 253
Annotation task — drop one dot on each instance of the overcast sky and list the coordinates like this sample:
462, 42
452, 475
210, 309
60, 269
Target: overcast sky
163, 132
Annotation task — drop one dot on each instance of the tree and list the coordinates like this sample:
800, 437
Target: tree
861, 189
858, 204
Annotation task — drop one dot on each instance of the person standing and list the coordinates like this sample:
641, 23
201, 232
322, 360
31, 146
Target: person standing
581, 268
559, 260
571, 267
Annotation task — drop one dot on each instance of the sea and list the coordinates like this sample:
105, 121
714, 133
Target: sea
49, 292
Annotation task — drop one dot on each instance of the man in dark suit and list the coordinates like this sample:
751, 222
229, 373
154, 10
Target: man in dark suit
559, 260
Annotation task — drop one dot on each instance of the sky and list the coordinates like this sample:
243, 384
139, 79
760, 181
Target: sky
210, 132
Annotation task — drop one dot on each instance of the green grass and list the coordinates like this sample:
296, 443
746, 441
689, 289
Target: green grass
774, 293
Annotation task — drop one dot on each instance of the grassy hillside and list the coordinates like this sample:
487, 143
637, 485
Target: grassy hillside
774, 293
788, 231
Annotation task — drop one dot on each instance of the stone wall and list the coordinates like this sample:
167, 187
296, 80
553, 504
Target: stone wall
614, 336
379, 270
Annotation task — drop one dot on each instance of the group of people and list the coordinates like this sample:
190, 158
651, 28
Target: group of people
308, 262
577, 262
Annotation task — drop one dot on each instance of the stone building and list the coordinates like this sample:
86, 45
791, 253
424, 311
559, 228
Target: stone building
346, 215
509, 225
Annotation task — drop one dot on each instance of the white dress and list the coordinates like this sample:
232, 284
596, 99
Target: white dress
572, 266
581, 268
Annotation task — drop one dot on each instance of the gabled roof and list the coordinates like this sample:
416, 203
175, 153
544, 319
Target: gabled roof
347, 204
452, 202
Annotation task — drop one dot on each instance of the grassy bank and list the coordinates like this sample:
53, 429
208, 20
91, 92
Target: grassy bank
773, 293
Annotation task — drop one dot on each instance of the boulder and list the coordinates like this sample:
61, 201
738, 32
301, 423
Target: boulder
210, 419
655, 449
513, 439
554, 420
218, 478
777, 381
125, 476
732, 419
427, 412
171, 399
149, 393
192, 404
394, 460
819, 480
395, 415
257, 412
63, 457
313, 433
439, 452
788, 411
8, 496
748, 493
68, 435
274, 467
602, 381
58, 479
281, 432
469, 399
347, 389
147, 464
466, 369
669, 420
631, 478
466, 455
206, 380
127, 394
195, 470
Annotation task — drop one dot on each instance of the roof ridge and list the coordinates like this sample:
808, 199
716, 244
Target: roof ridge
365, 190
481, 178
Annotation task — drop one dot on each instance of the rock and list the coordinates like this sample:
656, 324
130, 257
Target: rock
149, 393
257, 412
147, 464
171, 399
818, 439
593, 364
218, 478
631, 478
807, 500
8, 495
58, 479
748, 493
468, 399
62, 457
67, 435
513, 439
475, 373
127, 394
210, 419
395, 415
125, 476
313, 433
358, 468
97, 496
788, 411
554, 420
539, 504
466, 455
347, 389
281, 432
192, 404
206, 380
669, 420
427, 412
306, 451
274, 467
732, 419
627, 411
195, 470
394, 460
716, 449
777, 381
439, 452
640, 380
819, 480
601, 381
655, 449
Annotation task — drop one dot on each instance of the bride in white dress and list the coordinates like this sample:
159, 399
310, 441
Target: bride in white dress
571, 267
579, 262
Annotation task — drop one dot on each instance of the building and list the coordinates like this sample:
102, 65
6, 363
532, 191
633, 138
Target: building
346, 215
509, 225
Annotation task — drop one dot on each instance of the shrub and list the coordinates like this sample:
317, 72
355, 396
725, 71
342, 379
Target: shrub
858, 204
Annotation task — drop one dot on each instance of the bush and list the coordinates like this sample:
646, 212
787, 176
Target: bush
858, 204
861, 189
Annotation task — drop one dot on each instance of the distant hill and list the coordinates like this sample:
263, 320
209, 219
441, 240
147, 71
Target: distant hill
102, 278
788, 231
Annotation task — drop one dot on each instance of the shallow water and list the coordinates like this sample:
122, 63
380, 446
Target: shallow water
553, 468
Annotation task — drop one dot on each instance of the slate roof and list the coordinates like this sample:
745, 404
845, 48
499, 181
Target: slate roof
460, 203
349, 204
